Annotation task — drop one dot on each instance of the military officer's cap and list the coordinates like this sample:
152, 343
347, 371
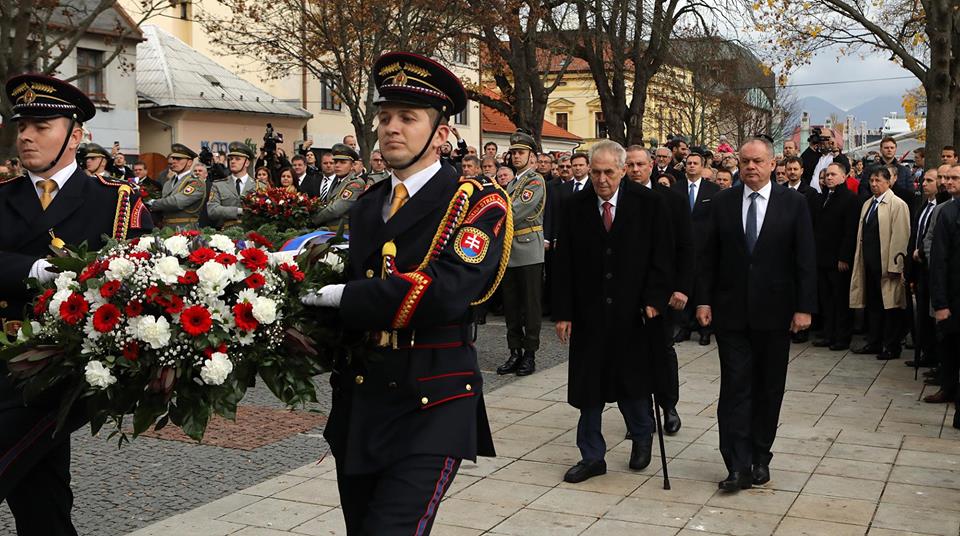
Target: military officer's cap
238, 148
342, 151
411, 79
41, 96
179, 150
521, 139
92, 150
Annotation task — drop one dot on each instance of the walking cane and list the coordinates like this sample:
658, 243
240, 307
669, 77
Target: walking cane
663, 451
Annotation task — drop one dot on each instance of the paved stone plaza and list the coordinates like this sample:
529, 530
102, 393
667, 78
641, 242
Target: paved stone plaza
856, 454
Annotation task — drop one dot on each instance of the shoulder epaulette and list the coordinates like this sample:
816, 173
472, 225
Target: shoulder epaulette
11, 179
470, 180
110, 181
218, 179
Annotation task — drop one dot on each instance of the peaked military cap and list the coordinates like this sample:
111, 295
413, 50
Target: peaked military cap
91, 150
521, 139
179, 150
238, 148
41, 96
412, 79
342, 151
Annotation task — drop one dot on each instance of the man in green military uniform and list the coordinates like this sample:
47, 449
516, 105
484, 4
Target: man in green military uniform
378, 169
341, 191
96, 160
183, 193
225, 205
523, 281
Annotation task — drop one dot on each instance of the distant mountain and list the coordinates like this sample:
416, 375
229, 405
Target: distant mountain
873, 111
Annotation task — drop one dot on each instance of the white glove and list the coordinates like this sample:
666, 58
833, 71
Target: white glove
328, 296
39, 271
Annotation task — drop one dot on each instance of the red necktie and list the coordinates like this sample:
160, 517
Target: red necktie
607, 215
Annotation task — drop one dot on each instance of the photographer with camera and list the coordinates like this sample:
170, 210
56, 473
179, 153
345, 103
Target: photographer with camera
118, 168
822, 151
272, 157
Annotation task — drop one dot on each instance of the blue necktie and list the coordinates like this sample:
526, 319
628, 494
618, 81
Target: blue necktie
693, 195
924, 217
751, 230
576, 187
872, 211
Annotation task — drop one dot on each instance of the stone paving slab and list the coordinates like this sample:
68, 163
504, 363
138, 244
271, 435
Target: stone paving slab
856, 454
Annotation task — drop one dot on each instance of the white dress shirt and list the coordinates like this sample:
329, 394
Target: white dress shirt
696, 188
761, 203
579, 184
613, 201
59, 177
243, 181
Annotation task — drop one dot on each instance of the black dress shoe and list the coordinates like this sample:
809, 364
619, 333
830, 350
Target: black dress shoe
888, 355
584, 470
867, 349
704, 339
956, 420
822, 343
761, 474
640, 453
528, 364
512, 363
682, 335
840, 346
736, 481
801, 337
671, 421
924, 363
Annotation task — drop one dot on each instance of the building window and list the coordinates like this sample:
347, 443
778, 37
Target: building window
561, 120
601, 125
462, 118
183, 8
328, 97
461, 50
90, 73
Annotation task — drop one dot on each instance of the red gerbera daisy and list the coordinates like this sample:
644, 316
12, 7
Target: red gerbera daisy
202, 255
109, 289
243, 316
255, 280
93, 269
133, 309
260, 240
74, 308
42, 303
254, 259
293, 270
174, 305
188, 278
226, 259
106, 317
209, 350
196, 320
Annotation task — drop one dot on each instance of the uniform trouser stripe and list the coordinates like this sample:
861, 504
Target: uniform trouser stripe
439, 489
28, 439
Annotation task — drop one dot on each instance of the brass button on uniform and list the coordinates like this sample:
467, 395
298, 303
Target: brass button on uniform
469, 387
4, 304
369, 274
424, 401
358, 380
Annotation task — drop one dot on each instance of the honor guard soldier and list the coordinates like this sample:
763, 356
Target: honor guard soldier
523, 282
183, 194
96, 160
378, 169
425, 246
54, 202
340, 192
225, 206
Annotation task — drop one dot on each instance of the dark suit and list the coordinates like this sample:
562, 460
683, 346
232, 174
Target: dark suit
34, 465
602, 282
403, 419
945, 290
310, 184
753, 297
835, 231
699, 218
917, 273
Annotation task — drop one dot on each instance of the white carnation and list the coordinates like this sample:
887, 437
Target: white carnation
94, 298
223, 243
57, 300
151, 330
213, 275
281, 257
65, 280
177, 245
216, 369
145, 243
34, 328
99, 376
120, 268
247, 295
168, 269
265, 310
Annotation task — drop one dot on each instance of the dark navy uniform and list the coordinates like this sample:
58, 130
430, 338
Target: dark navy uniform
403, 420
34, 465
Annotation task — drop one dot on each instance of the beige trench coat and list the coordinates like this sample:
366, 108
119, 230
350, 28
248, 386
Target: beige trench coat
894, 219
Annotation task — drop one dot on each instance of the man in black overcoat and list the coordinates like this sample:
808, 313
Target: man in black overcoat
614, 263
945, 284
835, 231
757, 284
53, 197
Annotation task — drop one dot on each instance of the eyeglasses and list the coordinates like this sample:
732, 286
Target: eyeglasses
565, 167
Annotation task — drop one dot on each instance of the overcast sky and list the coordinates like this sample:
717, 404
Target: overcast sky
826, 68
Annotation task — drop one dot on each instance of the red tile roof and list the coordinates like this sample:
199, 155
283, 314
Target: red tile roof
496, 122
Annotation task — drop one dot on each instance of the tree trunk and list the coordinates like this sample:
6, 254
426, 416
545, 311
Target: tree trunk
940, 89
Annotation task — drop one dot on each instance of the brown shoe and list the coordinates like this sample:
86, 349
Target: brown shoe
940, 397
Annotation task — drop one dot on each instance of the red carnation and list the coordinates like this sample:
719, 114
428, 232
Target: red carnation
209, 350
131, 351
141, 255
243, 316
226, 259
109, 289
189, 234
259, 240
188, 278
202, 255
254, 259
293, 270
255, 280
74, 308
196, 320
42, 303
174, 305
133, 309
106, 317
152, 293
93, 269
